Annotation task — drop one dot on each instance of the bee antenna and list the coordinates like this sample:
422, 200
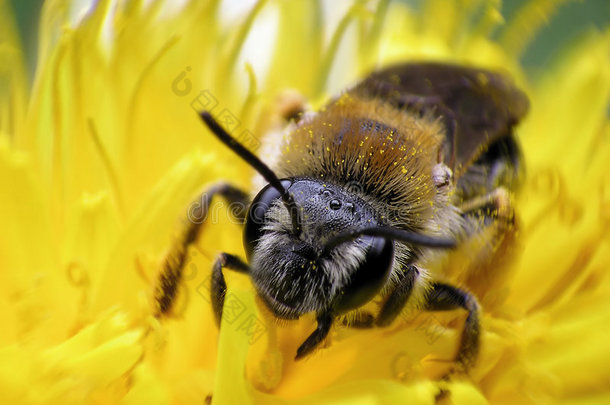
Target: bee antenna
257, 164
388, 232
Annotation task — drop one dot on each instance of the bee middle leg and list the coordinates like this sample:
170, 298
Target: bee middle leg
444, 297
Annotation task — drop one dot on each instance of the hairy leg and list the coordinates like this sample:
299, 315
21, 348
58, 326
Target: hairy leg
443, 297
325, 321
218, 288
490, 246
170, 276
398, 297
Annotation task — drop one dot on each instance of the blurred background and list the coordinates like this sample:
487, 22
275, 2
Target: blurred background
570, 20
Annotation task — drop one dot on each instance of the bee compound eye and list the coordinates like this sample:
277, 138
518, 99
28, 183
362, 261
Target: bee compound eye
371, 275
257, 215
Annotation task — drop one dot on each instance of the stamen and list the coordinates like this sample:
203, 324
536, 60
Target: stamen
372, 37
131, 109
56, 111
114, 180
242, 35
357, 10
490, 20
252, 90
527, 22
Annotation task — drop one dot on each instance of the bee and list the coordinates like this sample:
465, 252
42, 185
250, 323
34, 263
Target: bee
432, 150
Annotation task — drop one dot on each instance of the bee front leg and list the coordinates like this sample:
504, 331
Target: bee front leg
325, 321
198, 210
398, 297
218, 288
172, 267
444, 297
268, 372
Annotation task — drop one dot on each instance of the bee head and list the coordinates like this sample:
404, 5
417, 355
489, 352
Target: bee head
296, 274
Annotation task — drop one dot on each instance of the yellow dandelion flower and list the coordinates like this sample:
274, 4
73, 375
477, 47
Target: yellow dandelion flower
101, 154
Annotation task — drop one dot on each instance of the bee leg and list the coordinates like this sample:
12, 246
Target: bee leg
361, 320
218, 287
198, 210
491, 218
490, 246
398, 297
170, 275
495, 204
444, 297
325, 321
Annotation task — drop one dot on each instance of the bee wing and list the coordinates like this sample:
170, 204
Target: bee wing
478, 106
